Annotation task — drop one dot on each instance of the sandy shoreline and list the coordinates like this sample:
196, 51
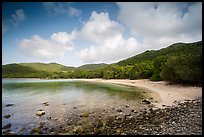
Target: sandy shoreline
168, 93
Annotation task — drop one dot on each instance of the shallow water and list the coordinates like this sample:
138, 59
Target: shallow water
65, 97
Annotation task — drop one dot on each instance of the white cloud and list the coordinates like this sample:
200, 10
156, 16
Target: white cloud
47, 49
108, 44
18, 17
161, 24
74, 12
61, 8
15, 19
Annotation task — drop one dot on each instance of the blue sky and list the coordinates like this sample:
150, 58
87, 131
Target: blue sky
78, 33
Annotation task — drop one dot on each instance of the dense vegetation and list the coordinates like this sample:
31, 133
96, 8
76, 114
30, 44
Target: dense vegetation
179, 62
92, 66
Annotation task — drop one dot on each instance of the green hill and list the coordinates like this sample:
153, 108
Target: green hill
19, 71
174, 49
33, 70
51, 67
92, 66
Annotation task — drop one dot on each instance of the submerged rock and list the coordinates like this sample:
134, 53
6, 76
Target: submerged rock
10, 133
8, 105
46, 103
7, 126
6, 131
7, 116
40, 112
22, 129
35, 131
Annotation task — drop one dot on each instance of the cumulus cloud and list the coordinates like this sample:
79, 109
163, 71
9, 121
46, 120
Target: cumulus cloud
17, 18
161, 23
61, 8
47, 49
108, 44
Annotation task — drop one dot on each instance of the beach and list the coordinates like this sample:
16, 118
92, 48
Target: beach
168, 94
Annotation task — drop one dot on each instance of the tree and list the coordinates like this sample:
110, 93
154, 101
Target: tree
158, 62
186, 68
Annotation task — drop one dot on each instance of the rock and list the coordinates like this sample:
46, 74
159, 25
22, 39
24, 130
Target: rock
35, 131
84, 114
118, 118
99, 124
118, 131
6, 131
119, 110
129, 117
7, 126
79, 129
135, 111
11, 133
123, 134
132, 110
40, 112
96, 132
151, 110
8, 105
22, 129
110, 119
146, 101
41, 125
7, 116
49, 117
46, 103
126, 106
75, 107
128, 114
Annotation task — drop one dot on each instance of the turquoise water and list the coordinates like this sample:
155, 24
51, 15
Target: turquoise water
63, 96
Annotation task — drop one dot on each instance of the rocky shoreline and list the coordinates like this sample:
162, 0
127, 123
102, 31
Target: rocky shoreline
180, 119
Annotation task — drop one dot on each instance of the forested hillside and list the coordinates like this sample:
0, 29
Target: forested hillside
51, 67
92, 66
180, 63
